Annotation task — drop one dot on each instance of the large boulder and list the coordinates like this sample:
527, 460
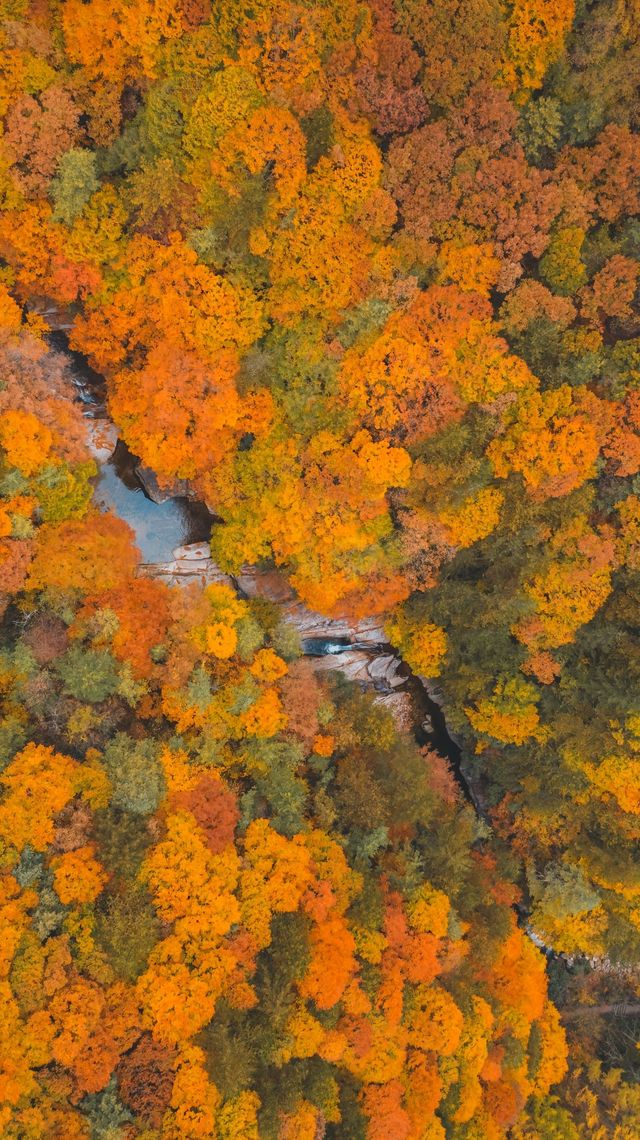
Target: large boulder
400, 706
176, 488
190, 563
316, 627
271, 584
193, 552
102, 437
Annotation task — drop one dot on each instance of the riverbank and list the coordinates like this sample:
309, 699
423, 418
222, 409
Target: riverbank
172, 533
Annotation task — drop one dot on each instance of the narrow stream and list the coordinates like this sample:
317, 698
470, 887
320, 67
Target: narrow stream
429, 722
160, 528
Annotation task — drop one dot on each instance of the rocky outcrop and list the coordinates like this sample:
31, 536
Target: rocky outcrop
314, 626
194, 553
189, 563
400, 705
179, 573
60, 318
272, 584
102, 437
377, 671
384, 670
194, 560
175, 489
361, 660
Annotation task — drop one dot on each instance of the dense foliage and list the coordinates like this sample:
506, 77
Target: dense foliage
235, 901
366, 276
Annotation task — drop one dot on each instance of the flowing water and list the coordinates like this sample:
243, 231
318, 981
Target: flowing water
161, 527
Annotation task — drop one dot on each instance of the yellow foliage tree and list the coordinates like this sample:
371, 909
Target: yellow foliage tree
422, 645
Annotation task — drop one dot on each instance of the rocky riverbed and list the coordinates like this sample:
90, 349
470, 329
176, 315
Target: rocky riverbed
172, 532
359, 650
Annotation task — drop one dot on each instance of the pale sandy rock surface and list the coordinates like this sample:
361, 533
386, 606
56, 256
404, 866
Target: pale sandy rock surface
102, 437
360, 661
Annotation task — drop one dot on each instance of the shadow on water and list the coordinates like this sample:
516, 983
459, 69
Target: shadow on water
159, 527
90, 386
431, 731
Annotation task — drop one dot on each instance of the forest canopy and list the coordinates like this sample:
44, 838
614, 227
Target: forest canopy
362, 277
